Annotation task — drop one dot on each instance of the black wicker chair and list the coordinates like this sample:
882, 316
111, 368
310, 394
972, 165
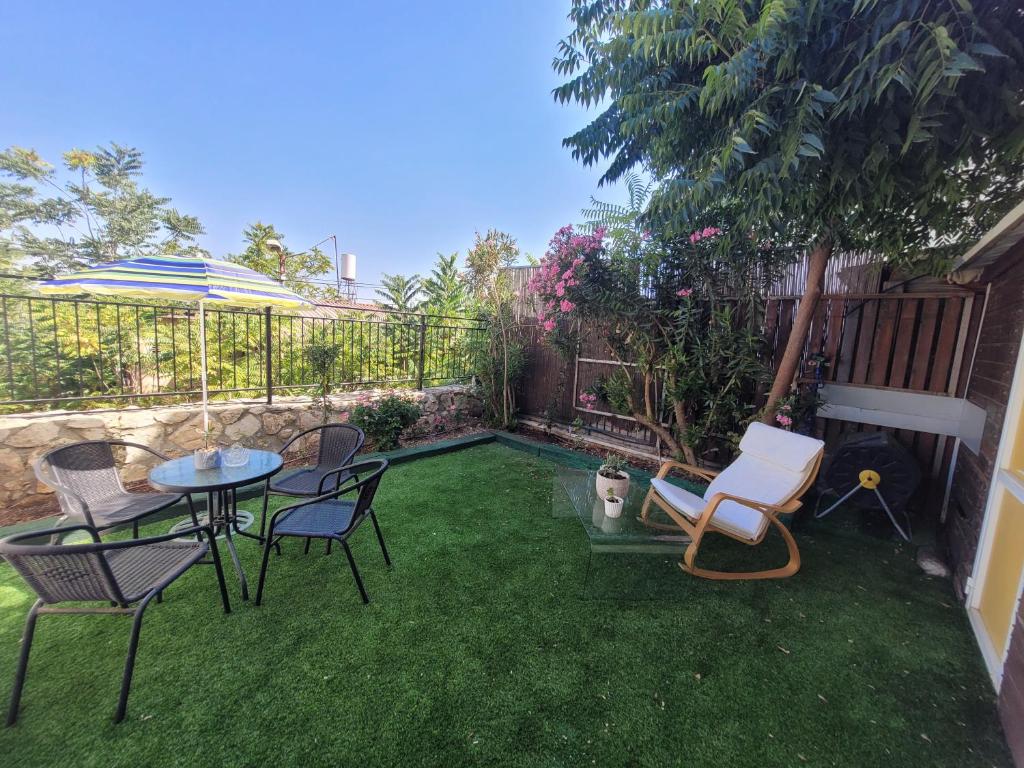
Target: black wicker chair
330, 517
89, 489
339, 443
119, 573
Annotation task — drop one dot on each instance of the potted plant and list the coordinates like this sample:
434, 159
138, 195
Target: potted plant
612, 505
206, 457
612, 476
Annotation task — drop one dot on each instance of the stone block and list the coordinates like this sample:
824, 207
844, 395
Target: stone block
36, 434
171, 417
247, 426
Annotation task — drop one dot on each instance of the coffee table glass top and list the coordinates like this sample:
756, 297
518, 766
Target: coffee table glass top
575, 493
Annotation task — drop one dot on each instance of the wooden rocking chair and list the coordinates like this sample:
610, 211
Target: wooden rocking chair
774, 469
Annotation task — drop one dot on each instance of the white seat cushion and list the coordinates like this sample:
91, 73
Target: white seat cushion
751, 478
690, 504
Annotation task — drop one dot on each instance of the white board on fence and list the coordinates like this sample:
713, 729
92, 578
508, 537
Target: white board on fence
904, 409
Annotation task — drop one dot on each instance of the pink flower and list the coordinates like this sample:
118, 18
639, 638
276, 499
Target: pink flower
560, 289
343, 417
566, 306
684, 292
784, 420
549, 325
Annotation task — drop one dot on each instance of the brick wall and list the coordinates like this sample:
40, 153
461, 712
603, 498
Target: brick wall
990, 383
989, 388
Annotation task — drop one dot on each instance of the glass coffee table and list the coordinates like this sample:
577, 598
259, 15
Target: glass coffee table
575, 495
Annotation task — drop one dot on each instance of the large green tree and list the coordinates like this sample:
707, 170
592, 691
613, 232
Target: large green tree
302, 269
400, 293
94, 210
446, 288
896, 126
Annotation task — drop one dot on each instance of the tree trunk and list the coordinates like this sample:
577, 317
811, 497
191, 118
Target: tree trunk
818, 261
680, 412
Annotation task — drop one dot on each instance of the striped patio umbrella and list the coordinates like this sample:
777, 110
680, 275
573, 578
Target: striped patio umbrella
184, 278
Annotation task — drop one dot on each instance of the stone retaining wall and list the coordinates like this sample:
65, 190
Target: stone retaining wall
175, 430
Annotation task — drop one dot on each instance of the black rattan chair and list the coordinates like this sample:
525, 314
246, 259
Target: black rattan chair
85, 478
339, 443
330, 517
119, 573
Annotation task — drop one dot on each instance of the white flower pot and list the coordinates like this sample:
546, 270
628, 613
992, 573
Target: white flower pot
613, 507
619, 485
206, 458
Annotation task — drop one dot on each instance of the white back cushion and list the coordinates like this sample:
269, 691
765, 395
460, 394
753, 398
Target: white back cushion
771, 468
777, 446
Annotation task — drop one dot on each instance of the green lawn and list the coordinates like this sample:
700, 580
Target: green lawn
478, 650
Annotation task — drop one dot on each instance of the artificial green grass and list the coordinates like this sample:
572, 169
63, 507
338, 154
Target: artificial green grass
478, 650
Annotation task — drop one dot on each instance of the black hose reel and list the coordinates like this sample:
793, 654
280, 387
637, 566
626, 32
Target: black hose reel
876, 469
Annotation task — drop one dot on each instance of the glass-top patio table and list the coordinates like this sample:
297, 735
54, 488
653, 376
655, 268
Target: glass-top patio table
575, 495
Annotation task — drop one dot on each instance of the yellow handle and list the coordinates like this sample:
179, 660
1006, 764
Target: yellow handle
869, 479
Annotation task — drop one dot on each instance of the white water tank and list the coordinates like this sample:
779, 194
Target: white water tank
348, 267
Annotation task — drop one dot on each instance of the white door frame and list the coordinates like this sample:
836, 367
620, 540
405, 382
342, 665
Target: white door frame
1003, 482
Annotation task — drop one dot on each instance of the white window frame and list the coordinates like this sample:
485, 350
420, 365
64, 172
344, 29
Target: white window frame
1003, 482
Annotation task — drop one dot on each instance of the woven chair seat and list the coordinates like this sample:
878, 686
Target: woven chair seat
306, 482
138, 569
323, 518
123, 507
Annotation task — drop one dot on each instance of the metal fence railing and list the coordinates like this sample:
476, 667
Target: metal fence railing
75, 353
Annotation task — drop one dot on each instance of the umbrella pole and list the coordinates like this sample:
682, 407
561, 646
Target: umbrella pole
202, 369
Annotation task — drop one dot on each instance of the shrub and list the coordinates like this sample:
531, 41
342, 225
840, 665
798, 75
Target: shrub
384, 420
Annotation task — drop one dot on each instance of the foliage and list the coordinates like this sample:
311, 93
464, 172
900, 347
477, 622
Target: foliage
889, 123
796, 411
677, 316
498, 353
612, 466
399, 293
323, 357
446, 289
300, 269
95, 211
384, 420
893, 126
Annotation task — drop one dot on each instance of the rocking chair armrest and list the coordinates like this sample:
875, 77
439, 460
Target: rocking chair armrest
670, 464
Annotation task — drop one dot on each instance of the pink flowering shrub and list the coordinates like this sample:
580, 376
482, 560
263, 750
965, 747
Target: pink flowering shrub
703, 234
562, 270
588, 400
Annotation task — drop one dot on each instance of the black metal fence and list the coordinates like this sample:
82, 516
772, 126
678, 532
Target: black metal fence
76, 353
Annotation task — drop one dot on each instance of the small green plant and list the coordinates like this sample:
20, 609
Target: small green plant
612, 467
322, 358
384, 420
609, 493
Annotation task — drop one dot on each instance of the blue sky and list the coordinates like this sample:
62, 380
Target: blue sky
403, 127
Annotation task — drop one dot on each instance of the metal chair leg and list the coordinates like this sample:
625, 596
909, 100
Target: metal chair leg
380, 538
19, 675
355, 572
305, 549
129, 665
135, 529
